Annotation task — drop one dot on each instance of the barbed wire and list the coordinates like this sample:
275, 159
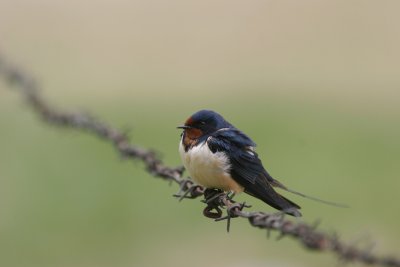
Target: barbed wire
216, 201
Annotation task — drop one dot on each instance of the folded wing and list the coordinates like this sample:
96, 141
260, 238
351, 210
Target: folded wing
247, 169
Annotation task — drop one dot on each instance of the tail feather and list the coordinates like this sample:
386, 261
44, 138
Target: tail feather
264, 191
278, 184
291, 202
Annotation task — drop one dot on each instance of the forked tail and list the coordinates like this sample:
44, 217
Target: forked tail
281, 186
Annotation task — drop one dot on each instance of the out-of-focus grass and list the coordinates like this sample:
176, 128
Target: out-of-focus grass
318, 94
67, 198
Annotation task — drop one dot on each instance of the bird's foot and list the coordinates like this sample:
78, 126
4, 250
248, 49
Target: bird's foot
216, 200
212, 195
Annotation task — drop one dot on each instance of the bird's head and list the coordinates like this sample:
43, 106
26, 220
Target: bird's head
202, 123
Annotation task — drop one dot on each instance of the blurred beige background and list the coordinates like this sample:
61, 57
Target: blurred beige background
314, 83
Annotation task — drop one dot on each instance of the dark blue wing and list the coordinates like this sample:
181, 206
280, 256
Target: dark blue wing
247, 169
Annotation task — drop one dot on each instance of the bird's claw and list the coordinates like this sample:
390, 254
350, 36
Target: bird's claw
212, 195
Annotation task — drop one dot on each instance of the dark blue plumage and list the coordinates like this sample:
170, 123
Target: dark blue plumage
233, 153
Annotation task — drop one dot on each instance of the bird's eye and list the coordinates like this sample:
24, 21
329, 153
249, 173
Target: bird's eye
202, 122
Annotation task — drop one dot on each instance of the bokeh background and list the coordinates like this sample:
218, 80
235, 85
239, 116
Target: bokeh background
314, 83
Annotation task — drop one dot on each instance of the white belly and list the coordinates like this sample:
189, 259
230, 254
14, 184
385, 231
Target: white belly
208, 169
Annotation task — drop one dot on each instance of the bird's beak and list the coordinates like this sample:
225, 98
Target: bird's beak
184, 127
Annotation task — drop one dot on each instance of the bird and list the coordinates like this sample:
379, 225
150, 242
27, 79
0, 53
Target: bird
218, 155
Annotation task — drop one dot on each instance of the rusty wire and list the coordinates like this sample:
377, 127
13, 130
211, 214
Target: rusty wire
216, 201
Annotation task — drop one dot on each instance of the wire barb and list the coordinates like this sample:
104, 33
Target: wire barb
215, 200
189, 190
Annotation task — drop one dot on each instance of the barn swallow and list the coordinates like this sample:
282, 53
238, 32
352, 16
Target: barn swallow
218, 155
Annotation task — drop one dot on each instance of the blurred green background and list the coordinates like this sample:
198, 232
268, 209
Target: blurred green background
314, 83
